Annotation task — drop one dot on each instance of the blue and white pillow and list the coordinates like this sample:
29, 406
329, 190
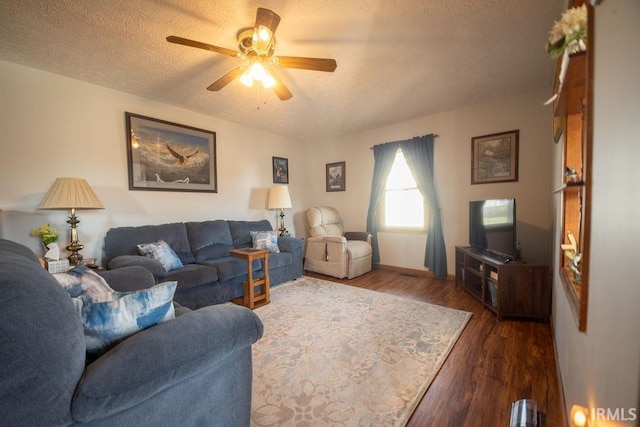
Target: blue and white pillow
267, 240
80, 280
161, 252
111, 317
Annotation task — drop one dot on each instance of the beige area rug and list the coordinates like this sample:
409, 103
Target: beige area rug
338, 355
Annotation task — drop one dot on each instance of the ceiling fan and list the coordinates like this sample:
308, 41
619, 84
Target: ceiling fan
257, 45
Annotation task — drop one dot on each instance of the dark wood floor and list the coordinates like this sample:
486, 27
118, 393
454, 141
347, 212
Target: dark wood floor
492, 364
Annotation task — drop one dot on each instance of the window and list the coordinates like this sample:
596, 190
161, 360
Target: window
402, 206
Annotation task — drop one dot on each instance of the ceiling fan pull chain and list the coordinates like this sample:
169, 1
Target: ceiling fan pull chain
260, 92
258, 86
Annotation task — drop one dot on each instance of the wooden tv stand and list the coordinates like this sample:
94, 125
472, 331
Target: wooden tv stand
512, 289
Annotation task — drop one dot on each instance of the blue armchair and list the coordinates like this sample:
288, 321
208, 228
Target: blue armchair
193, 370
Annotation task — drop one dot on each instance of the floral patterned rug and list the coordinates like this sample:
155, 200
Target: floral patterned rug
335, 354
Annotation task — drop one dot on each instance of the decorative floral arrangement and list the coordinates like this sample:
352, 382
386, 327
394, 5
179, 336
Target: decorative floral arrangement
571, 252
46, 233
570, 33
574, 265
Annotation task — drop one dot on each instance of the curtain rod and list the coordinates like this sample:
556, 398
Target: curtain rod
435, 135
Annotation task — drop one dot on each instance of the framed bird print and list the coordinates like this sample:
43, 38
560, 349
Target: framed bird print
165, 156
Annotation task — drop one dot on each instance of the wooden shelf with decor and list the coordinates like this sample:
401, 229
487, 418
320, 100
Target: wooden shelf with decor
573, 118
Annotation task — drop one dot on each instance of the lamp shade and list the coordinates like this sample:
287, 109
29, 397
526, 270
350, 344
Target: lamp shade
70, 193
279, 197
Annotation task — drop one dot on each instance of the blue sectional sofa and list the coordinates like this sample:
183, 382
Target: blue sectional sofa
192, 370
209, 275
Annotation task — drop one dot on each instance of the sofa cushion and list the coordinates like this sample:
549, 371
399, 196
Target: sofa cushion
161, 252
192, 275
267, 240
229, 267
123, 240
240, 231
209, 239
112, 316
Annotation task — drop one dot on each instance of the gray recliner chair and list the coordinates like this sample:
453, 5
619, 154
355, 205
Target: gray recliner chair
332, 251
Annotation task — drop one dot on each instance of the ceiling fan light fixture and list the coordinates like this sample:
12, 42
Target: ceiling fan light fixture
257, 71
262, 39
246, 79
268, 81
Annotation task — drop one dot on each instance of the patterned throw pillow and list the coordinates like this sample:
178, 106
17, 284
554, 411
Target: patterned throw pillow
265, 240
161, 252
109, 316
80, 280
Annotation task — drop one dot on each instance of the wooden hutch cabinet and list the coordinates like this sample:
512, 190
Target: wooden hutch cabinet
573, 128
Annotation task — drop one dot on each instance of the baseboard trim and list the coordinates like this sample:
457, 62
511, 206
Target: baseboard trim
563, 402
410, 271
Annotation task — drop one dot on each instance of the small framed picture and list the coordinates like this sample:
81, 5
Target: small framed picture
336, 176
494, 158
280, 170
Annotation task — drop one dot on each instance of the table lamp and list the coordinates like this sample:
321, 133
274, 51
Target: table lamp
279, 199
71, 193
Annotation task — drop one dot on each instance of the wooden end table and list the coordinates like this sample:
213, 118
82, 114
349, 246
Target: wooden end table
252, 299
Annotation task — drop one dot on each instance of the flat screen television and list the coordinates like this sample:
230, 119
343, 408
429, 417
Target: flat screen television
492, 227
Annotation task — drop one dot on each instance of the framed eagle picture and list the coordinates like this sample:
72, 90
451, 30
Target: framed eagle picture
165, 156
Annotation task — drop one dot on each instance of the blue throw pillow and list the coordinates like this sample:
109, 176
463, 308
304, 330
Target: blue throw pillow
81, 280
161, 252
110, 317
265, 240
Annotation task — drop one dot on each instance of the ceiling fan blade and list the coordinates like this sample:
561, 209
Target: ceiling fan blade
267, 18
205, 46
264, 31
279, 88
316, 64
226, 79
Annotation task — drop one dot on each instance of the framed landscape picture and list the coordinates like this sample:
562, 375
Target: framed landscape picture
165, 156
280, 170
494, 158
336, 176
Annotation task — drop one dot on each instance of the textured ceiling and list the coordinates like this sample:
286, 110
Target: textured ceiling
397, 59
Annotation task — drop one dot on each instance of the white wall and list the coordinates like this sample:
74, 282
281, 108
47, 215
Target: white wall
452, 174
601, 367
53, 126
